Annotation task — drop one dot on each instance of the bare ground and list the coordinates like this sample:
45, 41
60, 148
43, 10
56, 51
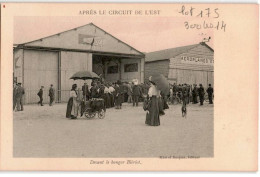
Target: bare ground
45, 132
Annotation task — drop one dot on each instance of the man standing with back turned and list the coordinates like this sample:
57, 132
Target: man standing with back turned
210, 93
40, 94
51, 95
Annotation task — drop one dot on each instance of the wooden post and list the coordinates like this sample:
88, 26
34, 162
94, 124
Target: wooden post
105, 69
23, 68
119, 69
59, 77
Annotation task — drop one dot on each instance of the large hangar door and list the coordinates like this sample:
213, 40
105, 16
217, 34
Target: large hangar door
40, 69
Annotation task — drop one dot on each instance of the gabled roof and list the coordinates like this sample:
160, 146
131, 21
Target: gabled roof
167, 53
170, 53
31, 43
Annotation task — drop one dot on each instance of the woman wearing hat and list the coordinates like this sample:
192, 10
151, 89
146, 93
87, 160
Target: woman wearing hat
152, 117
72, 106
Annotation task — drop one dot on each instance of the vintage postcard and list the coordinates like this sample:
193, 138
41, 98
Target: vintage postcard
129, 87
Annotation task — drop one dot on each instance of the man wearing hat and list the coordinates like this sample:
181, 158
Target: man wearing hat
210, 93
40, 94
117, 95
195, 94
137, 92
51, 95
14, 95
85, 91
19, 97
201, 94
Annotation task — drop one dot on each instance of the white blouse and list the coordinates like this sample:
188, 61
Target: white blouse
111, 89
106, 90
153, 91
73, 93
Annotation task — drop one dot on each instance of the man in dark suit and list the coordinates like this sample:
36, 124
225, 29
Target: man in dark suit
201, 94
195, 94
210, 93
137, 91
19, 97
14, 95
40, 94
85, 91
51, 95
94, 90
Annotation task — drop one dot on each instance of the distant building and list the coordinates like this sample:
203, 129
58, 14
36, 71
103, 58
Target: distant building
54, 59
189, 64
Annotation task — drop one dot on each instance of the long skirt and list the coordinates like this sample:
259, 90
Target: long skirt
152, 117
118, 100
72, 108
69, 108
160, 103
112, 101
108, 100
165, 105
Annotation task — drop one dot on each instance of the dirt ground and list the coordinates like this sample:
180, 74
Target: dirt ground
43, 131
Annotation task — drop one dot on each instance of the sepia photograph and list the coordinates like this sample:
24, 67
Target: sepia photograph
131, 87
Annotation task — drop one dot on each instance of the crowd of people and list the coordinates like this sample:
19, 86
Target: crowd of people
182, 93
114, 94
19, 92
190, 93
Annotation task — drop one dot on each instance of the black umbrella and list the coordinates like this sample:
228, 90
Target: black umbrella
162, 83
84, 75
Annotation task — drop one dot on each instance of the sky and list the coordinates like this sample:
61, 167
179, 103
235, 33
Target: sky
145, 34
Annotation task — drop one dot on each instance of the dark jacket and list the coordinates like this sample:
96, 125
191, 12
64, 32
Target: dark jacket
19, 92
94, 92
210, 91
195, 91
40, 93
85, 90
201, 91
51, 92
117, 90
137, 91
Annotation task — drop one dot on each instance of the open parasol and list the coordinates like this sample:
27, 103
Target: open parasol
84, 75
162, 83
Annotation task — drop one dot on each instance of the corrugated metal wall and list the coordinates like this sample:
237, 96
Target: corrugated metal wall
18, 65
72, 62
180, 72
40, 69
158, 67
193, 73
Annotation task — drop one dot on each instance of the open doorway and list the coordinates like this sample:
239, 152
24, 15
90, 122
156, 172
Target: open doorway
113, 68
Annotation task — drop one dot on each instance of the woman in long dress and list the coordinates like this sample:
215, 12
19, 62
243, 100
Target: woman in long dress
107, 96
72, 106
152, 117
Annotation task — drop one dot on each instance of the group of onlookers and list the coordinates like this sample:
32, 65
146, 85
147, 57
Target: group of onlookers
19, 92
114, 94
51, 95
190, 93
18, 96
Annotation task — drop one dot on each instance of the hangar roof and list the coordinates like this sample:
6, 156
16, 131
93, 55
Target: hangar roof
84, 38
170, 53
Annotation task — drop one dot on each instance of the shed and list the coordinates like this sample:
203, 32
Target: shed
54, 59
192, 64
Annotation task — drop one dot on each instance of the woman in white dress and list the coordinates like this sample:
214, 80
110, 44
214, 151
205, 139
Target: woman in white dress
152, 117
